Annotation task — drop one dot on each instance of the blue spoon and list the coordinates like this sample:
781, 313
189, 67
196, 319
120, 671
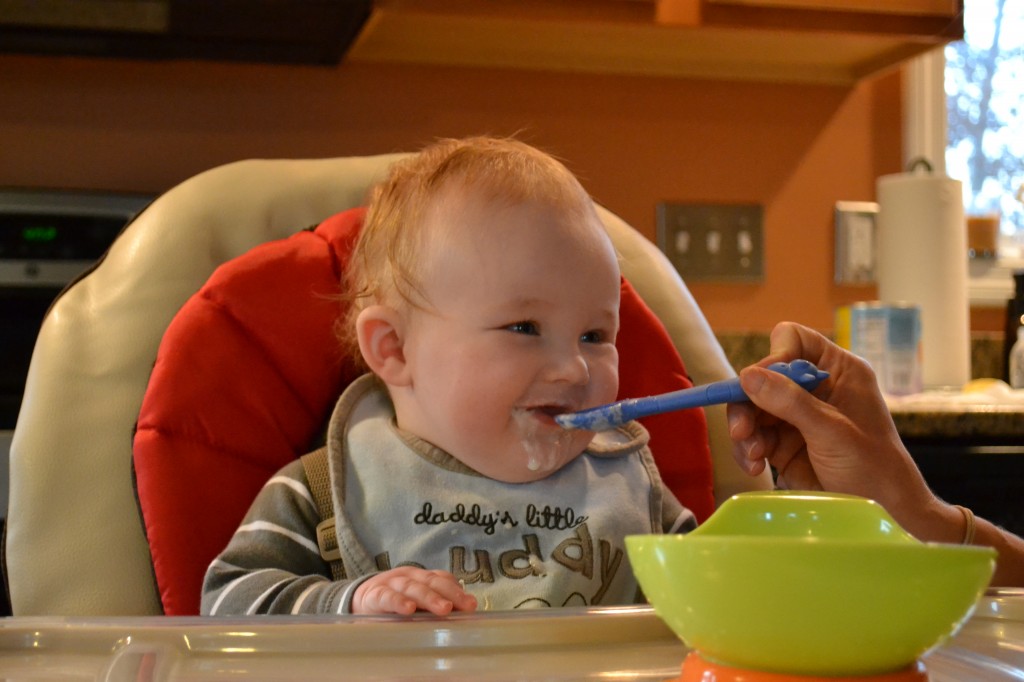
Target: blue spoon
605, 417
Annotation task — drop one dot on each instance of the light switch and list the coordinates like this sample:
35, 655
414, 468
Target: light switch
855, 256
683, 242
744, 243
713, 242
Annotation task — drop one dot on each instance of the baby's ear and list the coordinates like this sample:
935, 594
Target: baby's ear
380, 331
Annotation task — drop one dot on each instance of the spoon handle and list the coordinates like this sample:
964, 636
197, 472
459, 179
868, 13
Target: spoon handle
605, 417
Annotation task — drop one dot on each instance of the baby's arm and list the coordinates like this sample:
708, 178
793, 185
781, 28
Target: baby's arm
407, 589
272, 564
675, 518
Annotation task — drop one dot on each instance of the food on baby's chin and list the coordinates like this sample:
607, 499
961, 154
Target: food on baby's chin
541, 450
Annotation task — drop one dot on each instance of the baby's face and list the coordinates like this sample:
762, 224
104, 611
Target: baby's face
524, 309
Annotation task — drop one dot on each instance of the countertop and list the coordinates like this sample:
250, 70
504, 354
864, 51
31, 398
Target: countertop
938, 415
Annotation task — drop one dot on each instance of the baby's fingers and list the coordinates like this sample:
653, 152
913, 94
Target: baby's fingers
447, 587
382, 598
437, 592
412, 595
406, 590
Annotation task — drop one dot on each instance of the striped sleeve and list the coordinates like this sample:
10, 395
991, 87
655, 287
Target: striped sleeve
272, 564
675, 518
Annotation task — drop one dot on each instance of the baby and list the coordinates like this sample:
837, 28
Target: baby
484, 301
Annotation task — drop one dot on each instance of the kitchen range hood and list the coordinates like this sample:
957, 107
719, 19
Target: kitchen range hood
274, 31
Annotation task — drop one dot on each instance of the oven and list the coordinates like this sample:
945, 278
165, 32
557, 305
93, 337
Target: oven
47, 239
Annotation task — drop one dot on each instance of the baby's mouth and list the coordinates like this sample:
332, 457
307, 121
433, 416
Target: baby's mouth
546, 413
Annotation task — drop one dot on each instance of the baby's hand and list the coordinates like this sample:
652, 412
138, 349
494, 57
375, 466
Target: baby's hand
406, 589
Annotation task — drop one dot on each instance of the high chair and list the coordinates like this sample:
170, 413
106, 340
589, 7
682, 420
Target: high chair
80, 540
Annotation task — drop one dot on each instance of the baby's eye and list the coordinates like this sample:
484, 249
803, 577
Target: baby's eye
593, 336
524, 327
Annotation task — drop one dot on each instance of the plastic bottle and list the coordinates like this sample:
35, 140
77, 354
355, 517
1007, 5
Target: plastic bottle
1014, 310
1017, 360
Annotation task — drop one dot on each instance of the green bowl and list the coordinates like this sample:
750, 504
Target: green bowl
810, 584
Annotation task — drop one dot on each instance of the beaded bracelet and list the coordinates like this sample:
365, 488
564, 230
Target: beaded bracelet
969, 526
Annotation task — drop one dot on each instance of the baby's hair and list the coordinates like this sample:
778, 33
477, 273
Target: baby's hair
384, 264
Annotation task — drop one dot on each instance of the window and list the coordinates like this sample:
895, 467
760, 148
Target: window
984, 87
964, 111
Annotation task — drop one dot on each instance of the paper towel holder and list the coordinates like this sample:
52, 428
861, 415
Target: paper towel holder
922, 258
920, 162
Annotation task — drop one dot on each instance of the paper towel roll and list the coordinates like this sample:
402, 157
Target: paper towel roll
922, 259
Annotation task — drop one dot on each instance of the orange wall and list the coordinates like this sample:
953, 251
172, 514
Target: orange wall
634, 141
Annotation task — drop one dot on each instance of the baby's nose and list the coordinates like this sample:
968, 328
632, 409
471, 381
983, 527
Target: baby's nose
571, 367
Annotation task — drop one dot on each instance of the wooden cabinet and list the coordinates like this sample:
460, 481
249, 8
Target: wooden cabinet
833, 42
922, 7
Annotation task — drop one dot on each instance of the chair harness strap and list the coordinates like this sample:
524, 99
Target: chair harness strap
319, 476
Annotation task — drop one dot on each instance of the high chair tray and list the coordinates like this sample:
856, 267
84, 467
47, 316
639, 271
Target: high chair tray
627, 643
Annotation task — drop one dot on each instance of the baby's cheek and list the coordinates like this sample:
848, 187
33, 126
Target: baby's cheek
604, 379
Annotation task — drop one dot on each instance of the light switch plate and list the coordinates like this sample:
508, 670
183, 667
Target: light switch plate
856, 238
713, 242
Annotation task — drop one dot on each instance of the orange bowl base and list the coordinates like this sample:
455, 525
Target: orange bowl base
696, 668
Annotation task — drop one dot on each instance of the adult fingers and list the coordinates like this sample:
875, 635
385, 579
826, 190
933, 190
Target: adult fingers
783, 398
789, 341
742, 421
752, 431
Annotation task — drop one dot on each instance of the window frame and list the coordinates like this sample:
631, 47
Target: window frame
925, 131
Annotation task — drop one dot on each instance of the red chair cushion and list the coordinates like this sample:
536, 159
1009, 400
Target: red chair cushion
249, 369
648, 365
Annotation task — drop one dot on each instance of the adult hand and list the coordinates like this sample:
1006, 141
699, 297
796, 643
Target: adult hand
841, 438
407, 589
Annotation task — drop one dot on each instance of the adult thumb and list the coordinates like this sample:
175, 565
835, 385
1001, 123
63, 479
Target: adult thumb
783, 398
